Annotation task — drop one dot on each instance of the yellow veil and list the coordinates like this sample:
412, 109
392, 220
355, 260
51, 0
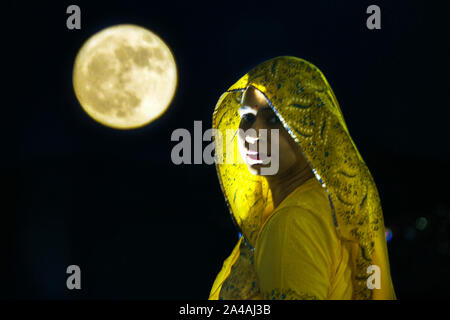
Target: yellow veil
303, 100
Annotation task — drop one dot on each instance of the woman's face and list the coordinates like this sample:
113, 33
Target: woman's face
256, 113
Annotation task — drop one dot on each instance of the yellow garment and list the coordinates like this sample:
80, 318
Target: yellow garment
321, 240
298, 253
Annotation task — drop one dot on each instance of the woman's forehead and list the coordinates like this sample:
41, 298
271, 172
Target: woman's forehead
253, 101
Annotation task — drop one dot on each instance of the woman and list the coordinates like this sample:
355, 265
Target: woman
313, 229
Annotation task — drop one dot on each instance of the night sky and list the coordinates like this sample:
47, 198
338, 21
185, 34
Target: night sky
140, 227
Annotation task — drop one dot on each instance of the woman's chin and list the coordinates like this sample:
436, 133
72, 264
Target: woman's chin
255, 168
255, 165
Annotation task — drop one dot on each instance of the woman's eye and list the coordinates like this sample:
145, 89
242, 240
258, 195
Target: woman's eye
274, 119
248, 117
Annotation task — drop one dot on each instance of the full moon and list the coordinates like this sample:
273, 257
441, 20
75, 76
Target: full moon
125, 76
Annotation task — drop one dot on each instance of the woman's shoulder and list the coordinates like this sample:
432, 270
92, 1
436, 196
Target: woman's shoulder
299, 230
299, 218
306, 211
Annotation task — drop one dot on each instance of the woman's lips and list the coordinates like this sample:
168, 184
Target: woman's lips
253, 155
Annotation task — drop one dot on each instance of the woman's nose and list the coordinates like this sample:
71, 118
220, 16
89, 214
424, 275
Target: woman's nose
253, 134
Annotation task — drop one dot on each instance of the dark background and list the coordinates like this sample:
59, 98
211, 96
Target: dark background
140, 227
